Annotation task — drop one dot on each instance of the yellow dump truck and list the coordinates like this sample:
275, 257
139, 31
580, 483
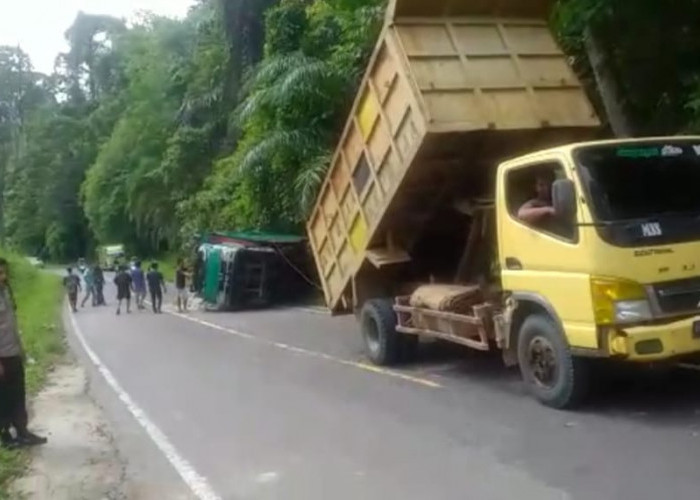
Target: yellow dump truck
438, 218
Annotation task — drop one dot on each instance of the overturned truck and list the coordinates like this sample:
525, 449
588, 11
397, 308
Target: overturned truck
249, 270
421, 226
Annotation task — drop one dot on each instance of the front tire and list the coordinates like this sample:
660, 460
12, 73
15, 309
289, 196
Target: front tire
552, 375
378, 324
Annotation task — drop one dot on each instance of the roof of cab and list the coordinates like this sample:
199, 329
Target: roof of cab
569, 148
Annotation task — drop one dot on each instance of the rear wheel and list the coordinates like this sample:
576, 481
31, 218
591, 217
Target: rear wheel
552, 375
378, 323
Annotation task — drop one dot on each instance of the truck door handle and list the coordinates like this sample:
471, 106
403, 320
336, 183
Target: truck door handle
513, 264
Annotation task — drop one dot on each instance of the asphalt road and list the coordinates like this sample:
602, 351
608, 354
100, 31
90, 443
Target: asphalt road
281, 405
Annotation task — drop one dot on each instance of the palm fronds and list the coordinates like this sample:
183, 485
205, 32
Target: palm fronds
297, 141
309, 181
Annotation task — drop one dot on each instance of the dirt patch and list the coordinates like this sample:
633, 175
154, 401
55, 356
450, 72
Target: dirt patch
80, 461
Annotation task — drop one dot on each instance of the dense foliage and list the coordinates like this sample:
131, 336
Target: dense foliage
642, 58
148, 133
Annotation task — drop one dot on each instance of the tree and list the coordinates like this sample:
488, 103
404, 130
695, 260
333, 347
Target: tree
295, 104
642, 55
227, 118
21, 92
89, 66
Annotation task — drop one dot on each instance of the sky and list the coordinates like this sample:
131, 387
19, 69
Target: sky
38, 25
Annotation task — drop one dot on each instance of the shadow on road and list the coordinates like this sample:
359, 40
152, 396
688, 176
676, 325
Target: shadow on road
664, 396
670, 396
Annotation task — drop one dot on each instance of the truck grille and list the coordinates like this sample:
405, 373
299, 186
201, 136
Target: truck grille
682, 296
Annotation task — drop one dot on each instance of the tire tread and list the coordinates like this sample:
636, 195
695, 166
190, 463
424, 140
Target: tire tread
576, 383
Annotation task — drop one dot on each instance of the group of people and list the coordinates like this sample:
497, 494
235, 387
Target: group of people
94, 279
136, 281
14, 419
128, 281
13, 405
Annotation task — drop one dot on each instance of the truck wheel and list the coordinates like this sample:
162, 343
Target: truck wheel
378, 323
552, 375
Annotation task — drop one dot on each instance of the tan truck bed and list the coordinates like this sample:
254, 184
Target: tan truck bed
453, 88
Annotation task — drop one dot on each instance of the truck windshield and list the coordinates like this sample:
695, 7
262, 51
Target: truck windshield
643, 193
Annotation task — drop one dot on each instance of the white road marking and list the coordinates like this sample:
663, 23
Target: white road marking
267, 477
314, 354
194, 481
320, 311
438, 368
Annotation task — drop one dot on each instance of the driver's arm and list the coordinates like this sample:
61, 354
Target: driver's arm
531, 214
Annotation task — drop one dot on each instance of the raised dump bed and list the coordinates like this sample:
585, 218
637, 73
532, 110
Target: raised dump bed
452, 89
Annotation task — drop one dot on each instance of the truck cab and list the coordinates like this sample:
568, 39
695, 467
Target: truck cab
619, 273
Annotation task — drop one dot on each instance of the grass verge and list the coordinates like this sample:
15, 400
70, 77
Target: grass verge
167, 266
38, 296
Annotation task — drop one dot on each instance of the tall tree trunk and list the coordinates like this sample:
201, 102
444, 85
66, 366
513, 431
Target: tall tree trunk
245, 34
607, 86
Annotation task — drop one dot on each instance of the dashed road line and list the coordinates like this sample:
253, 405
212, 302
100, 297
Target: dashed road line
319, 311
438, 369
313, 354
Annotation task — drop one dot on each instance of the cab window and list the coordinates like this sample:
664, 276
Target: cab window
529, 199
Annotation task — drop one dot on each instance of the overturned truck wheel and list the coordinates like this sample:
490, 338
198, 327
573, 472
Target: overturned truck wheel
385, 346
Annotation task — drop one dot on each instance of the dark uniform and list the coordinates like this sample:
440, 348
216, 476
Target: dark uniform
156, 283
13, 401
123, 282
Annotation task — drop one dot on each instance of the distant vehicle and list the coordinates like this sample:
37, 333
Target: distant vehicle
110, 255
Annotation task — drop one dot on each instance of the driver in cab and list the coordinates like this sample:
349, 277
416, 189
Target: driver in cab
539, 211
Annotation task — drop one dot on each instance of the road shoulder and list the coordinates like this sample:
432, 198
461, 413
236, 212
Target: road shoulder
80, 460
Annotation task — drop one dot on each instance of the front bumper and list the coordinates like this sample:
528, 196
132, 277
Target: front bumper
656, 342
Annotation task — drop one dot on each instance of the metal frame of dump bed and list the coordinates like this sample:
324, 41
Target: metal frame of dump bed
475, 331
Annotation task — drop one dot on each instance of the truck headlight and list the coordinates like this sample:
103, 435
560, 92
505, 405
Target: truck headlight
618, 301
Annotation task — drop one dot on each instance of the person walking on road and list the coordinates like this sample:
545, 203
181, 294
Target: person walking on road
156, 285
124, 286
138, 280
71, 282
181, 286
13, 399
99, 277
89, 279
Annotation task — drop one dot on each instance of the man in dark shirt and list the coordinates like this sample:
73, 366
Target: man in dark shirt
124, 284
156, 285
13, 403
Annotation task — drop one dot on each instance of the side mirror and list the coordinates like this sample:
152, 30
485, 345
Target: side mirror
564, 200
